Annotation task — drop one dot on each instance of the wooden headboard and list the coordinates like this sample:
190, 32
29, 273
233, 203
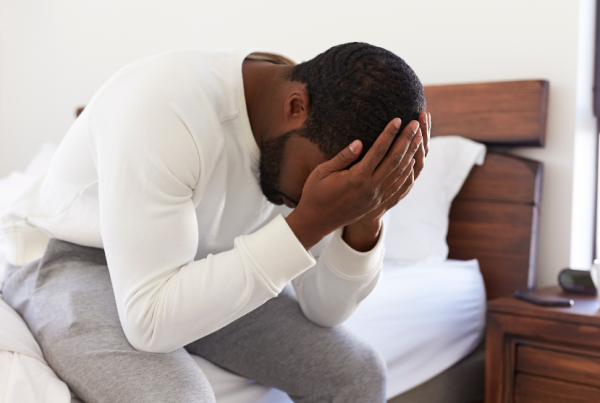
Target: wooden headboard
495, 216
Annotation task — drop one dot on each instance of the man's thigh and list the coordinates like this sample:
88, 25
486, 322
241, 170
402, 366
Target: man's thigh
277, 346
67, 300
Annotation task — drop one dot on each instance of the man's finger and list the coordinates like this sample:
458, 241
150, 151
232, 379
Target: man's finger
420, 158
381, 146
423, 148
404, 189
425, 130
343, 159
402, 185
400, 173
403, 149
428, 137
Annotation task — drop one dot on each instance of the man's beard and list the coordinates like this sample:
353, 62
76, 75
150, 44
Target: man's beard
271, 161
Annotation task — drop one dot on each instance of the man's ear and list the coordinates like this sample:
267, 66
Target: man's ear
296, 106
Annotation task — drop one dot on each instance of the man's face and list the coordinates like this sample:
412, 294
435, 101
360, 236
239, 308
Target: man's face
285, 164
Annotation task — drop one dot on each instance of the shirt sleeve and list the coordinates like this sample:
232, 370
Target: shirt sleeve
331, 291
149, 166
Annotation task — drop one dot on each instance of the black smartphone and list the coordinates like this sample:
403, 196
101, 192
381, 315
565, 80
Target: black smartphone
544, 300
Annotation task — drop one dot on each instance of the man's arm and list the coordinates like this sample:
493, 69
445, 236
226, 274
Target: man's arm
330, 291
149, 168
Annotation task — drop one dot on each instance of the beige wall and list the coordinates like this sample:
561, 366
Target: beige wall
55, 54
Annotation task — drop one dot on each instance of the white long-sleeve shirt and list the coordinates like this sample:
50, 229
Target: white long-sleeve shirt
161, 170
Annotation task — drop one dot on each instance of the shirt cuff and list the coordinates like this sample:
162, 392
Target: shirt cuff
277, 253
350, 263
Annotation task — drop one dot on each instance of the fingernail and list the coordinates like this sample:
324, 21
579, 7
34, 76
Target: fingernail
412, 162
354, 146
396, 122
414, 126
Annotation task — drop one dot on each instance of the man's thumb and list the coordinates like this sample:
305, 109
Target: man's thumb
344, 158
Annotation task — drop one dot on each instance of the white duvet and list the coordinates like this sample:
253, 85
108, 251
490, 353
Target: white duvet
24, 375
423, 318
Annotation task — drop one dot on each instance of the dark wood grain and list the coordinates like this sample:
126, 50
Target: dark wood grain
496, 381
495, 219
497, 235
585, 311
547, 330
498, 113
504, 178
537, 354
559, 365
535, 389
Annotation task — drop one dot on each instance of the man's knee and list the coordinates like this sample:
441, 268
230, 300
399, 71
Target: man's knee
361, 376
368, 369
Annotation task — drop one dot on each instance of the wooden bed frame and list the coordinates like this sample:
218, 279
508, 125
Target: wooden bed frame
495, 216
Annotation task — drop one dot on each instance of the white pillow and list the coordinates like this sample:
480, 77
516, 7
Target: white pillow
416, 228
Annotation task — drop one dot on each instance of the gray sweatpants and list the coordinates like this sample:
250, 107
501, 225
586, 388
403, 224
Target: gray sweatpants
67, 300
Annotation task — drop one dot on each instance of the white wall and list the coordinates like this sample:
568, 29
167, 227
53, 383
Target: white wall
55, 54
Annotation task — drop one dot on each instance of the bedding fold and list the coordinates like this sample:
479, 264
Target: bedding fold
25, 377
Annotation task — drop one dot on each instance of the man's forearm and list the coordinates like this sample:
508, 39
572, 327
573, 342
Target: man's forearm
332, 289
362, 235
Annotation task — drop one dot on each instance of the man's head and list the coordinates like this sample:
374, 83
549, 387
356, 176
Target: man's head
349, 92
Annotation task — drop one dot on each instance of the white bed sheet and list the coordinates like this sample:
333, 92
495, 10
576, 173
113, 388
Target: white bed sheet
423, 318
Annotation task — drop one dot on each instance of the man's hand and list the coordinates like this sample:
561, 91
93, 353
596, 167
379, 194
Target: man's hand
334, 197
363, 234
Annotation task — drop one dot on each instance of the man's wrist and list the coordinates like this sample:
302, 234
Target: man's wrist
307, 233
363, 235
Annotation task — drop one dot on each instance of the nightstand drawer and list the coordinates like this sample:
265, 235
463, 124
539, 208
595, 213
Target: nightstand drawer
536, 389
560, 365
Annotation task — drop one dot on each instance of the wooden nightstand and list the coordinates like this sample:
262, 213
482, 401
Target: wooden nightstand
536, 354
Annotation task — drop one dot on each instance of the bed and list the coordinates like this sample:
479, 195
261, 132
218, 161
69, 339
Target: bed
427, 317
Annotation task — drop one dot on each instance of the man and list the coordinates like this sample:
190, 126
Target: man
159, 202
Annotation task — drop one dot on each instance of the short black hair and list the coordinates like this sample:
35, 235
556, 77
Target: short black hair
355, 90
